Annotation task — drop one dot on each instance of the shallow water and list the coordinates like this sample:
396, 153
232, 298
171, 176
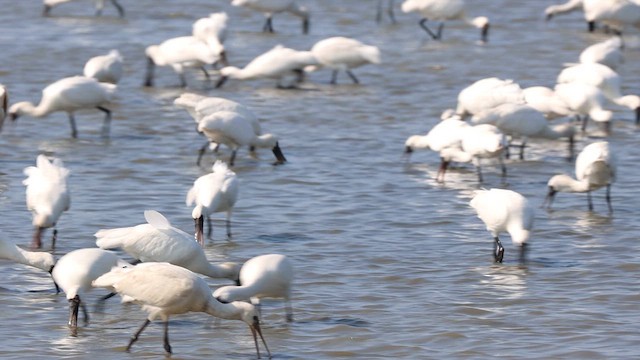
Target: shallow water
389, 263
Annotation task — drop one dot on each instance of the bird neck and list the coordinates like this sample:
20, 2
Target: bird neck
220, 271
224, 311
35, 111
565, 183
35, 259
264, 141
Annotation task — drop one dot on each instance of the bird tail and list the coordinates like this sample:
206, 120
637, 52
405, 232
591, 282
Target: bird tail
109, 279
112, 238
371, 53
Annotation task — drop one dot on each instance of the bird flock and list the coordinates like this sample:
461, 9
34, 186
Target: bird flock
492, 115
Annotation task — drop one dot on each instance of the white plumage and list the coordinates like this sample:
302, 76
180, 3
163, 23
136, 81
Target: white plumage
278, 63
179, 53
47, 195
595, 168
164, 290
264, 276
38, 259
608, 53
546, 101
487, 94
105, 68
505, 211
343, 54
69, 95
444, 10
74, 273
585, 101
159, 241
234, 130
271, 7
213, 31
211, 193
49, 4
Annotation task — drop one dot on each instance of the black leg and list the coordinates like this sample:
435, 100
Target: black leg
106, 126
183, 80
268, 25
135, 336
439, 33
479, 171
589, 201
334, 76
72, 123
523, 253
210, 229
54, 238
423, 24
609, 198
74, 305
148, 80
353, 77
233, 157
498, 250
167, 346
228, 228
119, 7
206, 74
203, 149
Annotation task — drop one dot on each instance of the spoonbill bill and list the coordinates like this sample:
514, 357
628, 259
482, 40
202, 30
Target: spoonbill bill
105, 68
69, 95
211, 193
595, 168
444, 10
505, 211
74, 273
264, 276
48, 196
341, 53
164, 290
271, 7
159, 241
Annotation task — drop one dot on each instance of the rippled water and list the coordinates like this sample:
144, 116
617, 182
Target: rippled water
389, 263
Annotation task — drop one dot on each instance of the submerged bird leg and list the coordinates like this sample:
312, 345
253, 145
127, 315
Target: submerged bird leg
54, 237
390, 12
268, 26
135, 336
167, 346
423, 24
74, 304
36, 242
201, 152
443, 168
206, 73
571, 148
119, 7
288, 310
523, 253
589, 201
210, 229
183, 80
148, 79
522, 146
277, 152
498, 250
106, 125
334, 77
608, 197
503, 167
233, 157
353, 77
85, 313
228, 228
72, 123
585, 120
255, 328
478, 170
439, 33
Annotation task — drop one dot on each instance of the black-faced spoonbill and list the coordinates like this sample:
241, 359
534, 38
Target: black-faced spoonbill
505, 211
47, 196
179, 53
213, 31
546, 101
443, 10
595, 168
486, 94
564, 8
341, 53
608, 52
164, 290
38, 259
586, 102
69, 95
234, 130
264, 276
105, 68
278, 63
270, 7
49, 4
74, 273
211, 193
159, 241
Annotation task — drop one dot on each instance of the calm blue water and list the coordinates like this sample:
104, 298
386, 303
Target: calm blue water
389, 263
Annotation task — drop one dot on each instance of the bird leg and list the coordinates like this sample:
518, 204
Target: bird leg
74, 304
523, 253
183, 80
334, 77
503, 167
585, 120
167, 346
443, 168
353, 77
228, 228
135, 336
522, 146
288, 310
221, 82
277, 152
589, 201
608, 197
203, 149
72, 122
268, 26
255, 328
106, 125
119, 7
206, 73
423, 24
498, 250
150, 68
233, 157
54, 237
439, 33
479, 171
36, 243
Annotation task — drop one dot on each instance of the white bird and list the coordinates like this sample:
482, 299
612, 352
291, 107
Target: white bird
505, 211
277, 63
389, 11
606, 80
615, 14
4, 101
608, 52
486, 94
264, 276
159, 241
546, 101
74, 273
105, 68
211, 193
443, 10
341, 53
47, 195
179, 53
49, 4
69, 95
235, 130
564, 8
522, 120
164, 290
595, 168
271, 7
213, 31
38, 259
585, 101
